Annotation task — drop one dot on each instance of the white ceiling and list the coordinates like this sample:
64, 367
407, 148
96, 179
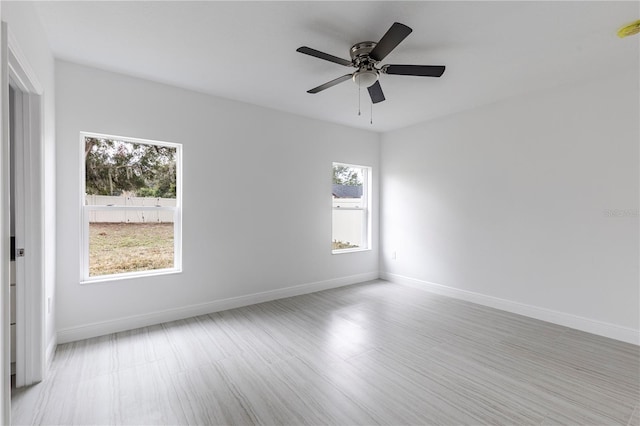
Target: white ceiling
247, 50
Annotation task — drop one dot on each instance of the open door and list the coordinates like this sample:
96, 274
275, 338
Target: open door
25, 314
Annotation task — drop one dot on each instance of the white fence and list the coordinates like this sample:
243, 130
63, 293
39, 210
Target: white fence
129, 215
347, 224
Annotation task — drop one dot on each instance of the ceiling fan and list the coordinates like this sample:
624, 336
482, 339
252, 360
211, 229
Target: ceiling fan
366, 57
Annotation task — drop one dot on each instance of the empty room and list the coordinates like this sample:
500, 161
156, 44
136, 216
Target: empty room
299, 212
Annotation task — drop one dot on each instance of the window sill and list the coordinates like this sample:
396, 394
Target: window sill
352, 250
129, 276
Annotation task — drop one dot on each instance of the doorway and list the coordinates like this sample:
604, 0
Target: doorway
24, 142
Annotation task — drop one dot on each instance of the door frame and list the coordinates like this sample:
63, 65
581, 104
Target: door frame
5, 232
30, 292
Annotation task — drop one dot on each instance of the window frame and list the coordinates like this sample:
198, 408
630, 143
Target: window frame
85, 211
367, 172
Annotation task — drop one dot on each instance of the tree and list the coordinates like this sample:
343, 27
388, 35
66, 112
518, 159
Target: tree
345, 175
113, 167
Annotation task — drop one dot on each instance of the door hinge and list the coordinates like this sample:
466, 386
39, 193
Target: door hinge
20, 252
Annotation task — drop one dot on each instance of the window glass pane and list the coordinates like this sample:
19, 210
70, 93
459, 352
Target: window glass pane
348, 226
347, 181
128, 173
130, 241
349, 207
130, 203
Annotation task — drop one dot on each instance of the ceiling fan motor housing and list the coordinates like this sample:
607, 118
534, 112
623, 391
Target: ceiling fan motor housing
360, 52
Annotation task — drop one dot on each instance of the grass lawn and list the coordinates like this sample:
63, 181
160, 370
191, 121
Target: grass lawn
128, 247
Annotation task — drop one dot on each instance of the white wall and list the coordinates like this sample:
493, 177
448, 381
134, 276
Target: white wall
255, 159
512, 201
24, 25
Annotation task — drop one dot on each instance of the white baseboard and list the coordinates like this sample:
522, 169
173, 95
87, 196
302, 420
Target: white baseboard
86, 331
600, 328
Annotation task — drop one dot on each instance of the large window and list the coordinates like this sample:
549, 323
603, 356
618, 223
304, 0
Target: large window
131, 207
351, 226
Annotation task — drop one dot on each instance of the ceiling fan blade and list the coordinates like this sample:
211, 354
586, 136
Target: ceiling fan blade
318, 54
375, 91
330, 84
417, 70
390, 40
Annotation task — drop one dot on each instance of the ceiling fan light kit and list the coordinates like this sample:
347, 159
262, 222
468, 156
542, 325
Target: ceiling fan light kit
365, 78
366, 57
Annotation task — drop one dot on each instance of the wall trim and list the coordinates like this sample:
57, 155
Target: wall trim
600, 328
20, 67
102, 328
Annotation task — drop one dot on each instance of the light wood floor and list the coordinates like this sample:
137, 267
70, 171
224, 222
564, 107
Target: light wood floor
373, 353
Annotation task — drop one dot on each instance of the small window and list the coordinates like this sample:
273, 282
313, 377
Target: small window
351, 226
131, 207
